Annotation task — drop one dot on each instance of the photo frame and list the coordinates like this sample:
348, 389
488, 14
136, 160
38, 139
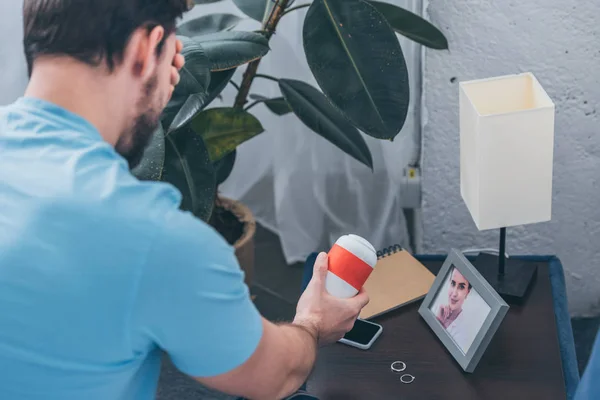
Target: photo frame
463, 310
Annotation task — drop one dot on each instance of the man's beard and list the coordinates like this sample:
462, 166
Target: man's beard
133, 142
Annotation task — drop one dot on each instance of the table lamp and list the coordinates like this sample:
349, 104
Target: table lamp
506, 159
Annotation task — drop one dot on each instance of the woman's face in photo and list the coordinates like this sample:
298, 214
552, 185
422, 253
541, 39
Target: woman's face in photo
458, 290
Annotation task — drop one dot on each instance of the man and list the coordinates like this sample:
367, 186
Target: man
450, 315
99, 272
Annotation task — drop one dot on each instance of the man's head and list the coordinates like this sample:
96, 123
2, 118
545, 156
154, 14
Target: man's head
128, 43
458, 290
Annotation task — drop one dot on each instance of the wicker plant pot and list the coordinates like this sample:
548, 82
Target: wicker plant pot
244, 245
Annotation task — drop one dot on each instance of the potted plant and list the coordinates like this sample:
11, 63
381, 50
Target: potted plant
352, 51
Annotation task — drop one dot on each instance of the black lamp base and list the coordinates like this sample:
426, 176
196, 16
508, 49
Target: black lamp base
513, 286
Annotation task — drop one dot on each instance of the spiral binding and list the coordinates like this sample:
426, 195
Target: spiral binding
388, 251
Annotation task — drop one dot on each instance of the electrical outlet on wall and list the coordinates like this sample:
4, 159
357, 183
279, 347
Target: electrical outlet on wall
410, 188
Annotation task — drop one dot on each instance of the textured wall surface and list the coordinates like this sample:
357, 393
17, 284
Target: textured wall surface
559, 42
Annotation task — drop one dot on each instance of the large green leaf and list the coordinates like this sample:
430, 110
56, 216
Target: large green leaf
172, 109
151, 166
174, 104
224, 166
412, 26
190, 94
255, 9
223, 129
357, 61
277, 105
193, 104
227, 50
315, 111
177, 114
206, 24
218, 82
195, 74
189, 169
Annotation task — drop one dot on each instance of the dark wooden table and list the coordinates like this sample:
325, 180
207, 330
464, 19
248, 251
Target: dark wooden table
522, 361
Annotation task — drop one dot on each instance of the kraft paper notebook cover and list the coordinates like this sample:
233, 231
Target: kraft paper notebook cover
398, 279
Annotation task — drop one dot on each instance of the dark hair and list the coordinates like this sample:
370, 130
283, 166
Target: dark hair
92, 31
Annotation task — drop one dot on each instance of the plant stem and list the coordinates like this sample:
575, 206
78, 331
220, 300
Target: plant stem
269, 27
253, 104
266, 77
235, 85
289, 10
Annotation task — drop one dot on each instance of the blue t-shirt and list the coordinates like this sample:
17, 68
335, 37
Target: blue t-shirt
99, 271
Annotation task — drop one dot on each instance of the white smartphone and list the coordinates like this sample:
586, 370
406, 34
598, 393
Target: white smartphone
362, 335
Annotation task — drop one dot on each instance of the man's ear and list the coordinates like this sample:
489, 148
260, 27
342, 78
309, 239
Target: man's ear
141, 52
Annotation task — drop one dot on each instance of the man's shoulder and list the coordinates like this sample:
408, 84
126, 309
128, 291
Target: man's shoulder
152, 209
157, 205
185, 234
84, 180
29, 116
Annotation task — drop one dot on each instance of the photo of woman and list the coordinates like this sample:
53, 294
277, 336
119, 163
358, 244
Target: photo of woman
460, 309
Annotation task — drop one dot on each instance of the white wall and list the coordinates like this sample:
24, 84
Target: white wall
13, 69
559, 42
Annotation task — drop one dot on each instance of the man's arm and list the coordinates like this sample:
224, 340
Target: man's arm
286, 353
279, 366
193, 303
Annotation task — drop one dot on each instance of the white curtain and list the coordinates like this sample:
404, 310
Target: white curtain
300, 185
13, 68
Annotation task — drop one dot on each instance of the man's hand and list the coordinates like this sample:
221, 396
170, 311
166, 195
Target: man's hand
178, 63
327, 317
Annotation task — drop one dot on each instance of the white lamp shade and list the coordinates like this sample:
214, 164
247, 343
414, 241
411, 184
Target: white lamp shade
506, 150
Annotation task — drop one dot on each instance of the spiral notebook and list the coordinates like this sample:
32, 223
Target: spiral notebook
397, 280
